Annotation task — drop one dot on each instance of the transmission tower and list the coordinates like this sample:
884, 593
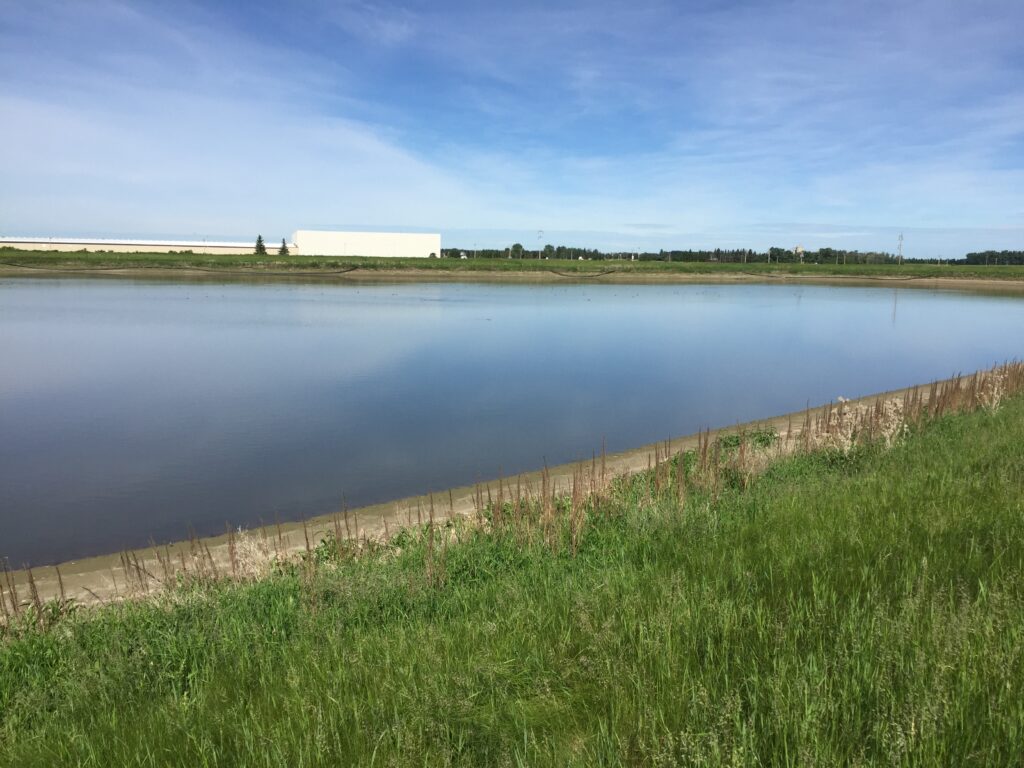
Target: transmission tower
900, 249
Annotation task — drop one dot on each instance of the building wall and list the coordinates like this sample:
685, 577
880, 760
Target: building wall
128, 246
317, 243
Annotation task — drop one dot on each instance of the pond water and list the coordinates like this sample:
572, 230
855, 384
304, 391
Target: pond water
132, 410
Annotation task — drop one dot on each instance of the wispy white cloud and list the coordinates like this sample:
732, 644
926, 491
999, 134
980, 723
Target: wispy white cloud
379, 23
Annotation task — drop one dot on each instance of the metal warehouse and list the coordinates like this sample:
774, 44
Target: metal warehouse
310, 242
305, 242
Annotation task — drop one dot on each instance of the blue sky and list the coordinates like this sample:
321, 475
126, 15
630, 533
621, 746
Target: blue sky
612, 125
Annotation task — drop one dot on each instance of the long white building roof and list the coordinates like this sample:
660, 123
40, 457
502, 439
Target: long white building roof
122, 241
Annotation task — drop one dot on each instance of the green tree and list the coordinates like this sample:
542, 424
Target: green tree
517, 251
261, 248
283, 250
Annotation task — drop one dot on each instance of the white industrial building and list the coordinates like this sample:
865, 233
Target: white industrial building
305, 242
310, 242
71, 244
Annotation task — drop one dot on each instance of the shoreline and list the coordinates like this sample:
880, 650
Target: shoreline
105, 577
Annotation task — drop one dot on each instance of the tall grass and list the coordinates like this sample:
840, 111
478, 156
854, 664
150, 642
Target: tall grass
858, 602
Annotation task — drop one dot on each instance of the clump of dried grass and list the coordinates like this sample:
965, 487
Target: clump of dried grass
843, 427
254, 556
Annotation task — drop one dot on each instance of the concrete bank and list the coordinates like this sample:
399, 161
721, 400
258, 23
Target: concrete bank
106, 577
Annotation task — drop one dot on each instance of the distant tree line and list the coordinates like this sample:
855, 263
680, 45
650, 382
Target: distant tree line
995, 257
731, 256
517, 251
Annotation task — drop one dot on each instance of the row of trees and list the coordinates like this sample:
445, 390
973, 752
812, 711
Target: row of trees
996, 257
732, 256
261, 247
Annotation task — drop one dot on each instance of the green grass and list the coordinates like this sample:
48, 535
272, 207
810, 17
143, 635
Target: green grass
858, 608
274, 263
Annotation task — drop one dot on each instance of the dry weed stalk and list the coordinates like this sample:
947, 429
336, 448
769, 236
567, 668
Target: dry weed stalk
681, 480
36, 602
3, 605
12, 591
430, 546
232, 554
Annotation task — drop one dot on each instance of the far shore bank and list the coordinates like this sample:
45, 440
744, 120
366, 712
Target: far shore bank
188, 265
102, 578
1001, 282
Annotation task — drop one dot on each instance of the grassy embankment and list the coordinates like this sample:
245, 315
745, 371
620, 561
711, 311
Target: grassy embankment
272, 263
849, 604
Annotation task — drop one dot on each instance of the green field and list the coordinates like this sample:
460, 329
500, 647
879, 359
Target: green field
839, 608
294, 264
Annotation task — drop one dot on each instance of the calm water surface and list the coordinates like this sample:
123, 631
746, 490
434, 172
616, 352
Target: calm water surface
131, 410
